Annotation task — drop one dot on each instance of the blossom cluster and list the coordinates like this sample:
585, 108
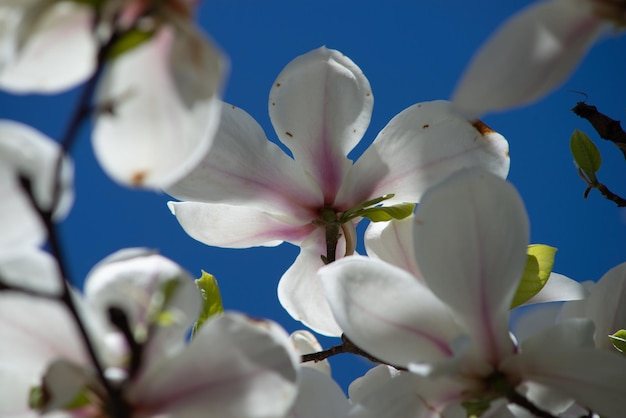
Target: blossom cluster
448, 245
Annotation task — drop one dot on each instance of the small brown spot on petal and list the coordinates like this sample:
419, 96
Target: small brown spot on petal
482, 128
368, 94
273, 104
233, 107
289, 134
277, 84
354, 131
138, 178
425, 126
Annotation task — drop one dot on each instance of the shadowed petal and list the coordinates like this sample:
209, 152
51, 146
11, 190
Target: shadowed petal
528, 56
387, 312
473, 231
320, 106
232, 367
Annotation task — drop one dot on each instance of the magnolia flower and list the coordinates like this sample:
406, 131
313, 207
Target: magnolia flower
158, 105
137, 308
247, 192
533, 53
452, 332
29, 155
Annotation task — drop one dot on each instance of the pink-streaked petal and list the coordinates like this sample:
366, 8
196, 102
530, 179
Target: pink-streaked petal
319, 396
387, 312
593, 377
39, 332
244, 168
320, 106
306, 343
559, 288
300, 290
160, 127
528, 56
136, 281
25, 152
237, 226
474, 233
232, 367
39, 64
392, 242
419, 148
606, 306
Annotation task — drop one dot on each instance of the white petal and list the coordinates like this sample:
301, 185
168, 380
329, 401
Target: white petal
528, 56
376, 377
300, 290
473, 234
137, 282
237, 226
160, 126
234, 367
407, 395
40, 64
606, 306
16, 384
593, 377
244, 168
31, 269
387, 312
320, 106
305, 343
559, 288
423, 145
39, 331
319, 396
392, 242
28, 153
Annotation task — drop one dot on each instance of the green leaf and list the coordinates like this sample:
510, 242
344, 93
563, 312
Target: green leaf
211, 297
387, 213
539, 263
129, 40
352, 213
619, 340
586, 154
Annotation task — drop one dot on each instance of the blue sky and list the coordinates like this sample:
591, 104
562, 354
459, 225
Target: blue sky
411, 51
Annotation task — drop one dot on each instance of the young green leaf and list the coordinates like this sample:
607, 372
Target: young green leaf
211, 297
131, 39
586, 154
387, 213
539, 263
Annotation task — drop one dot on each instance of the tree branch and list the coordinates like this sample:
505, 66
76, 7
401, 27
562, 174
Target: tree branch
607, 128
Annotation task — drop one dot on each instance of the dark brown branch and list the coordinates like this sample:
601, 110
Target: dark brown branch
607, 128
609, 195
346, 346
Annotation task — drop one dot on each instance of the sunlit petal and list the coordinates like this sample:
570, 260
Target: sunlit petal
160, 127
244, 168
237, 226
320, 106
423, 145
